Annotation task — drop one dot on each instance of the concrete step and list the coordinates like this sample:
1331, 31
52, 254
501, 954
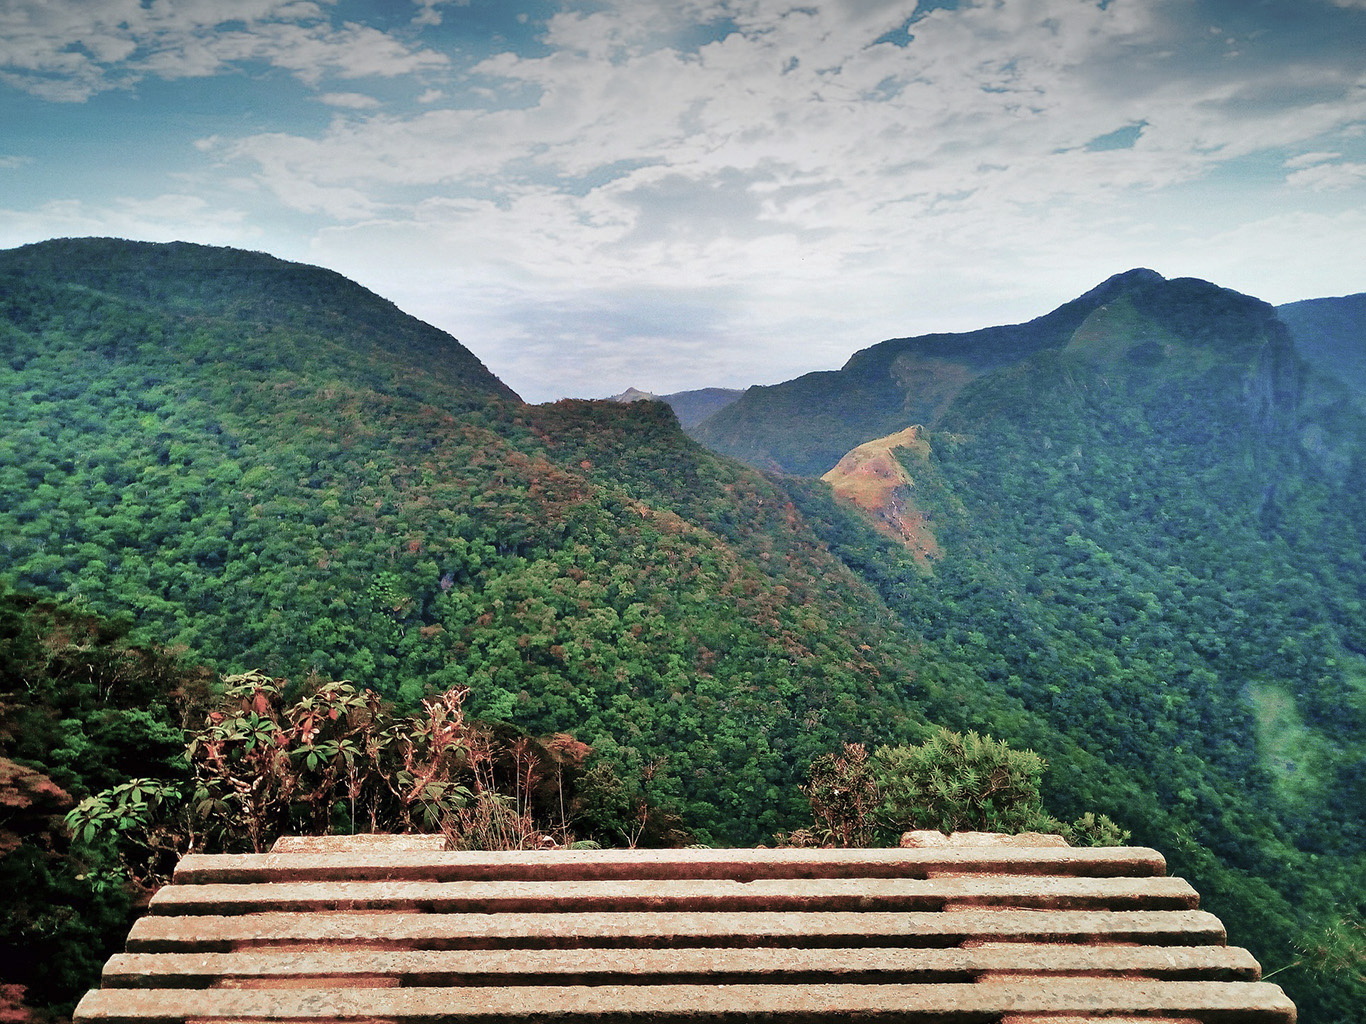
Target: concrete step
403, 930
369, 930
1207, 1002
824, 894
670, 966
378, 861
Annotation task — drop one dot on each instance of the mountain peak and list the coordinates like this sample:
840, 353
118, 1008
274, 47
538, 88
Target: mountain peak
1138, 275
635, 395
804, 426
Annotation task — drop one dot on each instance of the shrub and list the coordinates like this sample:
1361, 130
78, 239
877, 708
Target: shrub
843, 794
951, 782
955, 783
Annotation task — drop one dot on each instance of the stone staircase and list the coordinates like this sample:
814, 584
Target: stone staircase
397, 929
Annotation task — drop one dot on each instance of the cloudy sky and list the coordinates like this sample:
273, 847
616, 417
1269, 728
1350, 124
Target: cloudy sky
672, 194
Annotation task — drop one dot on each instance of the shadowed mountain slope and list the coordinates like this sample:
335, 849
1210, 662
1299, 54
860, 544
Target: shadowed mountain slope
1331, 335
691, 407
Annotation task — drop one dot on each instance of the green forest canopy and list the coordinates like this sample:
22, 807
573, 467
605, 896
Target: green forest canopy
1152, 573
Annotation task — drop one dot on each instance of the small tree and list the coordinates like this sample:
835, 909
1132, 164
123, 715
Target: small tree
146, 823
843, 793
337, 758
953, 783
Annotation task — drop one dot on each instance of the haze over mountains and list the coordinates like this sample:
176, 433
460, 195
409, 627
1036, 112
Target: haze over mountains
1331, 336
691, 407
1128, 534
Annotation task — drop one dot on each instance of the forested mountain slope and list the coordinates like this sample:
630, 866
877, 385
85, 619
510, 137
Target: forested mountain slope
1148, 551
1149, 525
212, 443
198, 284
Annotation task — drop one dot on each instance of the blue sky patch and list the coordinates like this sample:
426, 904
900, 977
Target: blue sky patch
1120, 138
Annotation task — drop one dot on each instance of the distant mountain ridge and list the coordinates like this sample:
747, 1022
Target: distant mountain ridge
804, 426
1330, 333
691, 407
634, 395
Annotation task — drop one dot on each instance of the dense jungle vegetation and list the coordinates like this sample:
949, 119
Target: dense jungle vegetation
267, 484
1153, 544
118, 759
1152, 573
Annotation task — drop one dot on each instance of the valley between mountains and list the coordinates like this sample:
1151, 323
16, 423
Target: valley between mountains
1129, 534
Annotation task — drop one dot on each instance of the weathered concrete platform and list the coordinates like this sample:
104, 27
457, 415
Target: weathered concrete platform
366, 930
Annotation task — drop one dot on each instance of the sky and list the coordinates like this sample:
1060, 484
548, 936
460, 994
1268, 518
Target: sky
675, 194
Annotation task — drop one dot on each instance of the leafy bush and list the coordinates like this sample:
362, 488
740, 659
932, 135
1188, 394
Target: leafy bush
338, 759
952, 782
843, 791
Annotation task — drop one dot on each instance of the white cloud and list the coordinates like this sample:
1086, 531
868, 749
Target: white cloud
429, 11
785, 160
162, 218
995, 101
69, 50
1012, 82
1309, 159
353, 51
1279, 256
349, 100
1329, 177
763, 176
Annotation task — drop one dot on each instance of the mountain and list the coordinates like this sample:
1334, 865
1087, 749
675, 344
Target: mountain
691, 407
1331, 336
189, 282
634, 395
806, 425
265, 465
1147, 516
1148, 551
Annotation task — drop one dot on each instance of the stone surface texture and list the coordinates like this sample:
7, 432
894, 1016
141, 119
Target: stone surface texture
399, 929
922, 839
